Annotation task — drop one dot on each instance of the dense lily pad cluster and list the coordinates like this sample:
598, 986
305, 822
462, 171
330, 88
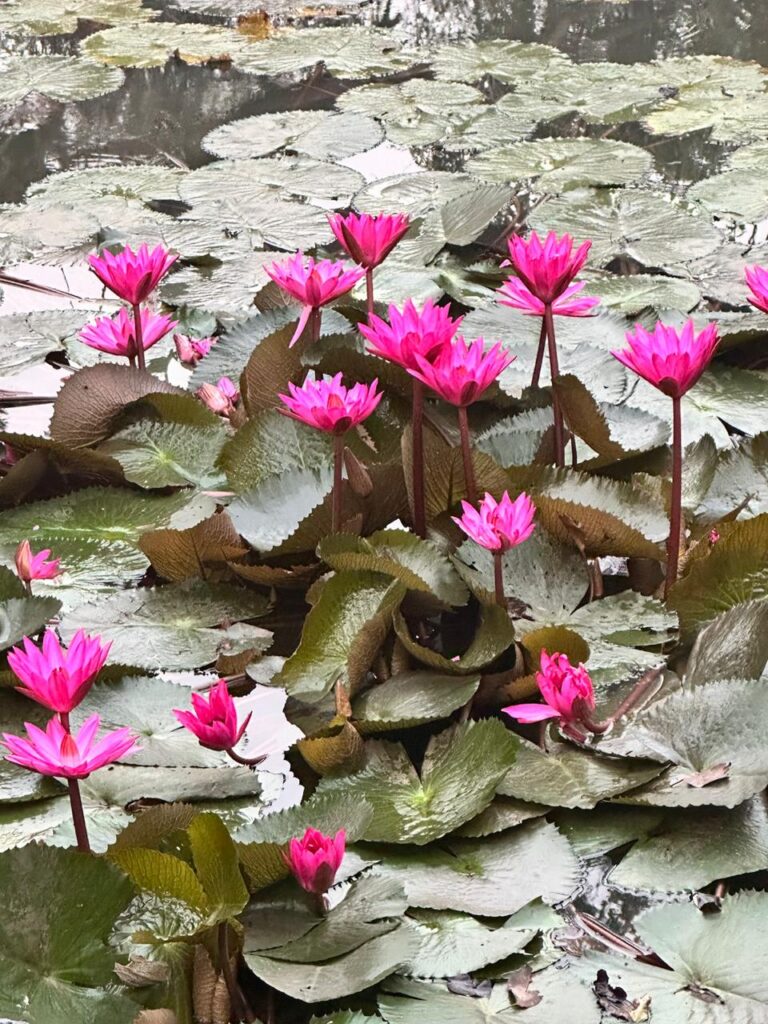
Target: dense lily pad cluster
514, 589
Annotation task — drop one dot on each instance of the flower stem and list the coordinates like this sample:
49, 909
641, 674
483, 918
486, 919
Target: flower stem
417, 458
554, 369
675, 512
466, 454
78, 816
315, 324
237, 1004
75, 800
319, 902
539, 354
498, 577
249, 762
338, 463
138, 338
636, 694
369, 289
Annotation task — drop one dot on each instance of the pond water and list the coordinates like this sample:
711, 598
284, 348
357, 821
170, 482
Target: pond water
160, 115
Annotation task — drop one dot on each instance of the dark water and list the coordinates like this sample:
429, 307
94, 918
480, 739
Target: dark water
160, 115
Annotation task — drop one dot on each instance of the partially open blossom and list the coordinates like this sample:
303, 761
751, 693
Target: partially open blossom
514, 293
757, 280
35, 567
220, 397
191, 350
214, 719
671, 360
498, 525
58, 677
369, 239
462, 370
313, 283
132, 275
548, 268
56, 752
414, 332
714, 537
566, 689
328, 405
315, 858
117, 334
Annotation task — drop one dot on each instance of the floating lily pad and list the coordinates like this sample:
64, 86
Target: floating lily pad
320, 134
346, 52
506, 60
560, 164
66, 79
150, 46
61, 17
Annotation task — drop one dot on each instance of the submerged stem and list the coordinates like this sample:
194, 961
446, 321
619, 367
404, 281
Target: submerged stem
138, 338
417, 458
554, 368
466, 454
338, 464
675, 512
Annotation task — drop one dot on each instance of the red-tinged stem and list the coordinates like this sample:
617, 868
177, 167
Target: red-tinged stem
319, 902
554, 368
539, 354
498, 577
76, 801
138, 338
369, 289
131, 359
574, 453
240, 1010
417, 458
466, 454
28, 587
675, 512
338, 463
314, 325
249, 762
636, 694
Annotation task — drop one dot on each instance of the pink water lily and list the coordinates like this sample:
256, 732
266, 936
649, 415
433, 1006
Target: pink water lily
214, 718
191, 350
516, 294
670, 359
57, 752
546, 268
57, 677
567, 691
757, 281
313, 283
366, 238
413, 333
463, 370
35, 567
221, 397
315, 859
328, 405
498, 525
117, 334
132, 275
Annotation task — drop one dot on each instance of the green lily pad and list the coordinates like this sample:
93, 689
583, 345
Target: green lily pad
150, 46
320, 134
168, 454
557, 165
61, 17
65, 79
418, 808
344, 51
412, 698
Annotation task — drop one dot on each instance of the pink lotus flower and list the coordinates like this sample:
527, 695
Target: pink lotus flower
546, 270
191, 350
58, 753
714, 537
214, 720
35, 567
56, 677
221, 397
566, 688
313, 283
409, 334
515, 294
757, 280
367, 239
671, 360
315, 859
117, 334
328, 405
462, 370
498, 525
132, 275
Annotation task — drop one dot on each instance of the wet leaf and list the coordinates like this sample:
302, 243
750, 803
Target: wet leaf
321, 134
557, 165
65, 79
412, 698
344, 51
150, 46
